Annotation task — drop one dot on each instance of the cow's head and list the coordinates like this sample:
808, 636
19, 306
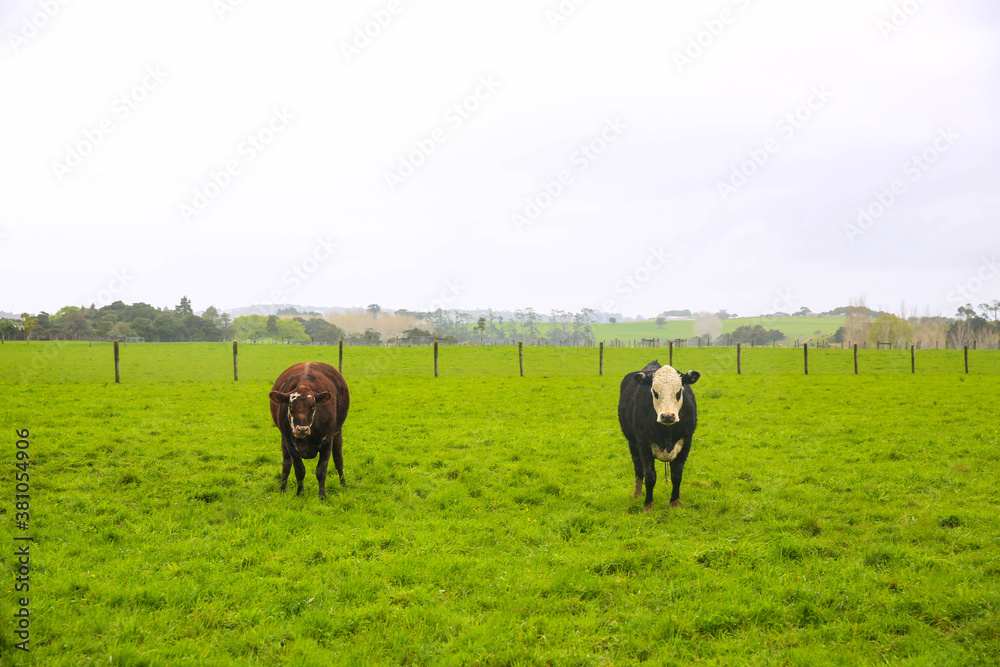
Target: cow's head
667, 387
301, 404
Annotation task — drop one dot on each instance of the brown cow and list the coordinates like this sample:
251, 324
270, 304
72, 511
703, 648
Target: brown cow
309, 404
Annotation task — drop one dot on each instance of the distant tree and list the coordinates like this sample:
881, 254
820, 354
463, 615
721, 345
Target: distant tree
184, 307
613, 320
289, 310
272, 326
888, 328
527, 317
29, 323
707, 324
9, 327
480, 327
723, 314
119, 330
839, 336
755, 334
660, 321
212, 315
76, 324
250, 327
143, 326
582, 329
136, 310
226, 326
803, 311
168, 327
200, 329
374, 309
103, 326
372, 337
319, 329
291, 330
990, 308
416, 332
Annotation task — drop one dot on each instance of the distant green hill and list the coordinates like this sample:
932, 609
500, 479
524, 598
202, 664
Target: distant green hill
794, 328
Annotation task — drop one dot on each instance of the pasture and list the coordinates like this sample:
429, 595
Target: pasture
827, 518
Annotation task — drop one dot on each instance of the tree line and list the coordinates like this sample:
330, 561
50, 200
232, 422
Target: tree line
120, 321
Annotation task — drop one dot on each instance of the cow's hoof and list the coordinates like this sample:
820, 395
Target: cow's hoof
322, 496
342, 482
646, 508
675, 503
637, 494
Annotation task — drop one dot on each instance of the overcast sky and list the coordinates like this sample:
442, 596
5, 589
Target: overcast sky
630, 156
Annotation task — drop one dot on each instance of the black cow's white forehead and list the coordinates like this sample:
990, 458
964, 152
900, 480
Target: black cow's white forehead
667, 378
296, 395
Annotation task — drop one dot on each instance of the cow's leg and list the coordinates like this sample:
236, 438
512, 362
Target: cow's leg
649, 478
290, 459
324, 460
338, 456
637, 467
300, 473
676, 472
286, 464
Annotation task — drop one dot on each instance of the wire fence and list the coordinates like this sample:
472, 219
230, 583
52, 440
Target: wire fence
60, 362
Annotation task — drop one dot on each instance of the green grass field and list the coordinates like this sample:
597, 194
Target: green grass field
827, 518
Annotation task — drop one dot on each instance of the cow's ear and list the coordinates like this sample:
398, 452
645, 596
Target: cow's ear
690, 377
323, 397
278, 397
644, 378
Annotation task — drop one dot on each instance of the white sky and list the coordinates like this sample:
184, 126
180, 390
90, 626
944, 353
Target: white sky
201, 77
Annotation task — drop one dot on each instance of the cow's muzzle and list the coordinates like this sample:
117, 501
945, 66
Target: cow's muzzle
301, 431
668, 418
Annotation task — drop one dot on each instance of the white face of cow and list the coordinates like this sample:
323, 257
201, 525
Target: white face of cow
667, 388
668, 395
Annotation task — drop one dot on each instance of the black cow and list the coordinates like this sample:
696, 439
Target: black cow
309, 404
658, 416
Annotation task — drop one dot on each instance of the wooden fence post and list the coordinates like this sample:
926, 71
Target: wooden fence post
913, 360
520, 357
340, 357
236, 362
435, 358
805, 356
738, 367
117, 376
966, 359
600, 366
855, 358
671, 353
